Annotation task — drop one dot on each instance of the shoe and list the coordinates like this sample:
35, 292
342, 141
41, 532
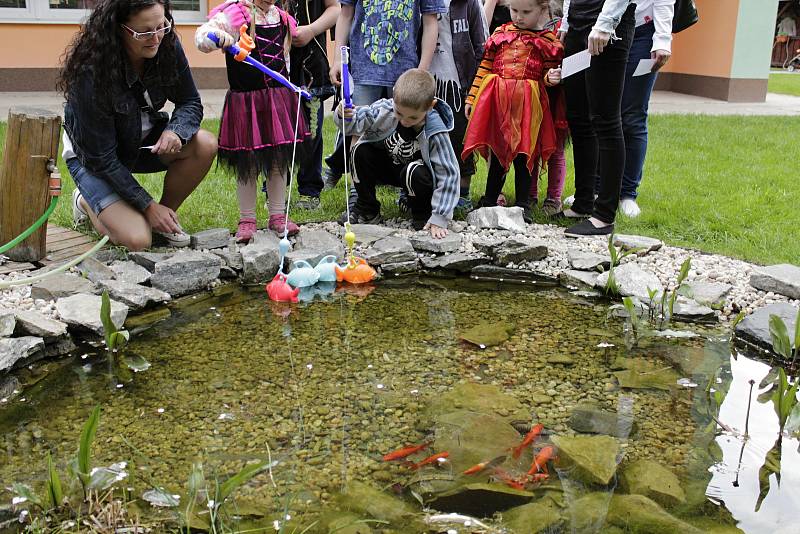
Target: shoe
281, 224
586, 228
178, 239
246, 230
561, 216
79, 216
526, 214
629, 207
356, 217
464, 204
402, 202
307, 202
418, 224
569, 201
330, 178
501, 200
551, 206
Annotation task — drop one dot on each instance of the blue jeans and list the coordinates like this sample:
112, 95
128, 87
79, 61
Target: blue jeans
635, 101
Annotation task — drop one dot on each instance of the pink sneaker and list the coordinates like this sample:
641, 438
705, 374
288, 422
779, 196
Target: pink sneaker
278, 223
246, 230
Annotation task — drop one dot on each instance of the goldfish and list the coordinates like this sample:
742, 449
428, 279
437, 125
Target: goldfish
477, 468
435, 458
540, 461
507, 479
399, 454
530, 437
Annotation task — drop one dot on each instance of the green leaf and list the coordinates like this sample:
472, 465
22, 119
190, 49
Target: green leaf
54, 491
25, 492
797, 334
684, 272
772, 466
738, 319
135, 362
160, 497
102, 478
118, 340
196, 481
780, 336
85, 446
105, 318
247, 472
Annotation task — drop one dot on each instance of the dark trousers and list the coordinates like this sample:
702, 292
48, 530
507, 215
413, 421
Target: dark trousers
309, 178
456, 98
497, 177
372, 165
594, 98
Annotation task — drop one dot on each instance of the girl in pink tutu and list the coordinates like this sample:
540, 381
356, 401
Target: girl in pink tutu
256, 132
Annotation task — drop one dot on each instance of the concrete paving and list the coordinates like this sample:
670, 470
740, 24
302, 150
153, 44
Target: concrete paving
661, 102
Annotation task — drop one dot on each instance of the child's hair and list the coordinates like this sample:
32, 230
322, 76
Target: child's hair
415, 88
557, 8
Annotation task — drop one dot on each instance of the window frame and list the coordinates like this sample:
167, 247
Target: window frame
40, 12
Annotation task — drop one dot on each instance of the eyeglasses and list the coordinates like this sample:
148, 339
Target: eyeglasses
146, 36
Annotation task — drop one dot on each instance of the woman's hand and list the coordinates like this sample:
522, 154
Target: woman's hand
302, 36
661, 57
168, 143
598, 40
161, 218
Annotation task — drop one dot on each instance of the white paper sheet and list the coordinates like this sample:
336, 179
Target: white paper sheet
645, 66
575, 63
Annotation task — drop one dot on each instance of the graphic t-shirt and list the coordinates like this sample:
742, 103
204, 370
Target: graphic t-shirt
384, 36
403, 146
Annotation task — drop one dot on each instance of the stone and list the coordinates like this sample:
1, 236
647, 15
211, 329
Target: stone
232, 259
639, 243
458, 262
504, 274
424, 242
755, 327
134, 295
543, 515
95, 270
479, 398
321, 243
390, 250
367, 234
637, 513
497, 217
36, 324
488, 334
61, 285
148, 260
401, 267
185, 272
561, 359
131, 272
689, 310
574, 279
260, 260
226, 273
654, 481
632, 281
59, 347
783, 279
362, 498
591, 419
639, 373
108, 255
213, 238
9, 386
708, 293
14, 349
8, 322
590, 459
588, 261
480, 498
517, 251
83, 311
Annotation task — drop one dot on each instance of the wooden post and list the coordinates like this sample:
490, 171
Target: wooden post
32, 140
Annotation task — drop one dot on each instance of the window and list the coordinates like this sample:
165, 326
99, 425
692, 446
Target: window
67, 11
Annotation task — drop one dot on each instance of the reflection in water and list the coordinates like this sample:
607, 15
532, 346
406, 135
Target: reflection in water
736, 478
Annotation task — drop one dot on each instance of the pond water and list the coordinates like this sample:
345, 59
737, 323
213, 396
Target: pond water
323, 390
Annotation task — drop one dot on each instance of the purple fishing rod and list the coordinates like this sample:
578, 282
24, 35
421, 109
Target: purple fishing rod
278, 77
347, 91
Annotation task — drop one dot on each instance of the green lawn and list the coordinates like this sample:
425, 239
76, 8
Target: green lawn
784, 83
718, 184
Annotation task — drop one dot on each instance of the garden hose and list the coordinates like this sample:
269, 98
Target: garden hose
33, 279
55, 192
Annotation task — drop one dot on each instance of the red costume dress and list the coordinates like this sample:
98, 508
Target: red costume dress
511, 111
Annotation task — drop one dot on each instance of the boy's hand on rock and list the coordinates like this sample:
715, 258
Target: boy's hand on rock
437, 232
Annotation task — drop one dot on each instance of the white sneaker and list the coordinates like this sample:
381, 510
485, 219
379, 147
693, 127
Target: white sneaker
569, 201
629, 207
171, 239
79, 216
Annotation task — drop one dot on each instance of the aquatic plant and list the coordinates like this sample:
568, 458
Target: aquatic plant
782, 344
83, 461
115, 339
616, 255
784, 398
637, 325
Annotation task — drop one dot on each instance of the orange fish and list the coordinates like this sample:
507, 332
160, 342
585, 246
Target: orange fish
357, 271
405, 451
530, 437
477, 468
539, 477
432, 459
507, 479
540, 462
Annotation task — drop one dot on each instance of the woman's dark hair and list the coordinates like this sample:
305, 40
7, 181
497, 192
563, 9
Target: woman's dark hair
98, 47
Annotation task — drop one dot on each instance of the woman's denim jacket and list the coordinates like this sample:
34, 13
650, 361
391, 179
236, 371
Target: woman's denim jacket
106, 133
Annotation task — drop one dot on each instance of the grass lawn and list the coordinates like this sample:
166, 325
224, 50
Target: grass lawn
719, 184
784, 83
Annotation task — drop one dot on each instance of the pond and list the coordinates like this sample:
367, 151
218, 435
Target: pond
321, 391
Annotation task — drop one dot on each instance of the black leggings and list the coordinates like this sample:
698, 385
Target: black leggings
594, 101
497, 177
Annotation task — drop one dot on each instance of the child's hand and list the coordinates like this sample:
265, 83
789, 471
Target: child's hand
437, 232
468, 110
562, 36
554, 76
225, 39
349, 112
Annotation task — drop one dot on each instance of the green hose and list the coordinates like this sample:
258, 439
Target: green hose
21, 237
32, 279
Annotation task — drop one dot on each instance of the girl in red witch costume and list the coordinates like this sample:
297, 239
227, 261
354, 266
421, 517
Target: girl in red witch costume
512, 118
